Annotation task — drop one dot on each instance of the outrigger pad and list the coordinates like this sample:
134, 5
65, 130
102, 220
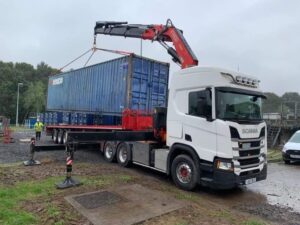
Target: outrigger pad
31, 163
67, 183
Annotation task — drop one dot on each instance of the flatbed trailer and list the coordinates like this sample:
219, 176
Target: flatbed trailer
135, 125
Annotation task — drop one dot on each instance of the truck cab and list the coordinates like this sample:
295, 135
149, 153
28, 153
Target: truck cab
215, 131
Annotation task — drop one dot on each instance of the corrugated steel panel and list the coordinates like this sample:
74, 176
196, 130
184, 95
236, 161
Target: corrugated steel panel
109, 87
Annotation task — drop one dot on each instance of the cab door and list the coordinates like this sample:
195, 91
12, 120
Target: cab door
199, 128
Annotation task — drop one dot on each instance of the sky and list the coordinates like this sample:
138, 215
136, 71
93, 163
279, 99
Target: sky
256, 37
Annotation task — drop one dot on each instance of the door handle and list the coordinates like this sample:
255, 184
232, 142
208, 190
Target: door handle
188, 137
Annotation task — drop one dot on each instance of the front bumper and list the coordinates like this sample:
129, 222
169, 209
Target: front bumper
228, 180
288, 155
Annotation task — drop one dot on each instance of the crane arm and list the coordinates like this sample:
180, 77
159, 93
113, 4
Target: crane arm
182, 54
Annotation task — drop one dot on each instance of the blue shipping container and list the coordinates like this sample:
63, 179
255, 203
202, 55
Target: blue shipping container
85, 119
46, 118
74, 118
50, 118
66, 118
107, 88
57, 118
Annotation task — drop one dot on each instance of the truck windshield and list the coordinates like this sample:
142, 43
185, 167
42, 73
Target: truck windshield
238, 105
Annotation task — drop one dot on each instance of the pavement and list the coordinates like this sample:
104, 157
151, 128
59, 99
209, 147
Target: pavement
126, 205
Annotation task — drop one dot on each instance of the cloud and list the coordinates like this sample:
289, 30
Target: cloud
259, 37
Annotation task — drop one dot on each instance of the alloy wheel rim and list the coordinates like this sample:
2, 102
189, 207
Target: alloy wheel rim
108, 152
123, 154
184, 173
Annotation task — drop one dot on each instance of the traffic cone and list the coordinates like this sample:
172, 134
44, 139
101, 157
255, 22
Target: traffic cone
31, 161
69, 181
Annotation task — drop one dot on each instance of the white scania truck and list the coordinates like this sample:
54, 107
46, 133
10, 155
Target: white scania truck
212, 132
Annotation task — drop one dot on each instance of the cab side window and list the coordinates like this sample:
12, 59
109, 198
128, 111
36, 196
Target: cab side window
200, 103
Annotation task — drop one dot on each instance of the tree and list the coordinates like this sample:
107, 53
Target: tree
43, 71
272, 103
34, 97
32, 93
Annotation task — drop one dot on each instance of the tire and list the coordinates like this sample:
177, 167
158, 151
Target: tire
124, 154
60, 136
55, 136
109, 151
64, 138
184, 172
287, 162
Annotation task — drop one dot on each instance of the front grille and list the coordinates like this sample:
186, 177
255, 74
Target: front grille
255, 144
249, 152
246, 173
294, 152
245, 162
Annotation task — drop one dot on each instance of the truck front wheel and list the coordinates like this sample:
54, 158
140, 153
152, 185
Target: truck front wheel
124, 154
184, 172
109, 150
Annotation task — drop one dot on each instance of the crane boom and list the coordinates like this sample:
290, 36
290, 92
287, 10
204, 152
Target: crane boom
182, 54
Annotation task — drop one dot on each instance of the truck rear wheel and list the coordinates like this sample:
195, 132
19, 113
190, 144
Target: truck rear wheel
184, 172
65, 137
109, 150
60, 136
124, 154
55, 136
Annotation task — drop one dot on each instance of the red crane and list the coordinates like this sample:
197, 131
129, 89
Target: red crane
182, 54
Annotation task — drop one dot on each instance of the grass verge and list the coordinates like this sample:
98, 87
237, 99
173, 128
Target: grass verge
274, 155
12, 197
252, 222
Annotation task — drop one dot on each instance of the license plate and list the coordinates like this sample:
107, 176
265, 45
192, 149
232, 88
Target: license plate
246, 145
295, 156
250, 181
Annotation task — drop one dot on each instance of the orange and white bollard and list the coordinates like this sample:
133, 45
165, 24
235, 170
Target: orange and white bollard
69, 181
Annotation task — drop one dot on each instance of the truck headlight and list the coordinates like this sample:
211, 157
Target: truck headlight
222, 165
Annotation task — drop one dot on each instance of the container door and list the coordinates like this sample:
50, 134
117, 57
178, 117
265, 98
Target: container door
139, 84
158, 85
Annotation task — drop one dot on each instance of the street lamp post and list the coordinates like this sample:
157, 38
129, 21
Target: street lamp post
17, 113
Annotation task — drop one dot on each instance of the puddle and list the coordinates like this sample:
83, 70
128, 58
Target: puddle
276, 199
282, 186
